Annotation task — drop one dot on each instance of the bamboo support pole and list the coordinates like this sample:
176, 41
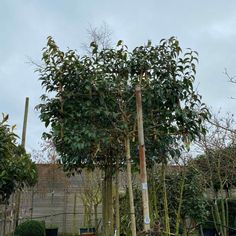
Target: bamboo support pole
143, 171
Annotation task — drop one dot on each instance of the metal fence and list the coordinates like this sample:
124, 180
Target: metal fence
62, 209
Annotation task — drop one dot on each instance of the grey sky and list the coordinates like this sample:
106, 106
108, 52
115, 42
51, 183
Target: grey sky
208, 27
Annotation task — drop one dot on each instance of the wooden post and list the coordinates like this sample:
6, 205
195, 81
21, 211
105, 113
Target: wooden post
18, 193
32, 203
25, 122
74, 215
5, 219
143, 171
65, 211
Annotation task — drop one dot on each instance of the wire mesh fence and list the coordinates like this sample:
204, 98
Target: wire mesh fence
63, 210
67, 223
56, 200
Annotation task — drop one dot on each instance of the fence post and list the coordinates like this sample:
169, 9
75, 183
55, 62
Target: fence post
74, 214
18, 193
5, 219
65, 211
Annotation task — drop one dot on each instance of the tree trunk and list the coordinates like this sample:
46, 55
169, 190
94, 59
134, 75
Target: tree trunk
104, 205
130, 188
117, 200
17, 208
166, 209
153, 195
96, 218
107, 203
5, 219
178, 218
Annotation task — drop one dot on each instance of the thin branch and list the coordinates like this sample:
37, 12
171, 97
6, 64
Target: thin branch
232, 79
222, 127
32, 62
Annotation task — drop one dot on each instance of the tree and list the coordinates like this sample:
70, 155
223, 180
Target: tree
217, 166
16, 168
100, 35
187, 205
92, 112
91, 196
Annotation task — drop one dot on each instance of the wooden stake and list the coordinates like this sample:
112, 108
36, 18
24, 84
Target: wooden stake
25, 122
143, 171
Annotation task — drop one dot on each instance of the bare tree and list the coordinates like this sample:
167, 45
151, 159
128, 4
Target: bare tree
217, 165
102, 36
91, 196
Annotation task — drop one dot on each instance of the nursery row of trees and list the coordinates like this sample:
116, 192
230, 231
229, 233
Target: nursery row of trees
90, 105
194, 194
199, 193
91, 109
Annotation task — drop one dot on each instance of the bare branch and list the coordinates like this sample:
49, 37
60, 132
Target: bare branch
32, 62
232, 79
222, 127
100, 35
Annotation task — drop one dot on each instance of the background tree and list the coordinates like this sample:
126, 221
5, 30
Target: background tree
91, 196
16, 168
217, 166
101, 36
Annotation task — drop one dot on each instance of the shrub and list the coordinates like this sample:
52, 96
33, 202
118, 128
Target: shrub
30, 228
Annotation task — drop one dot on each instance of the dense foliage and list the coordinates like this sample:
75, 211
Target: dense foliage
90, 102
16, 168
30, 228
192, 202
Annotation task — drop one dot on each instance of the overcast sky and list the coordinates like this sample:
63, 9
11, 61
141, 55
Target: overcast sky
209, 27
